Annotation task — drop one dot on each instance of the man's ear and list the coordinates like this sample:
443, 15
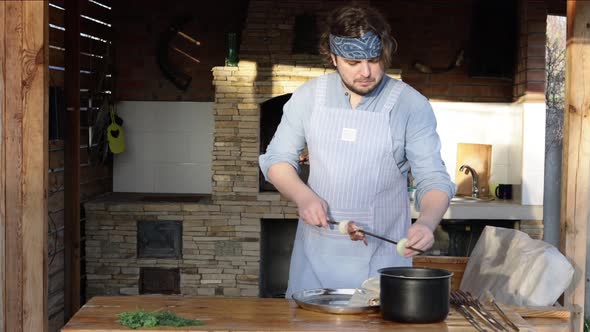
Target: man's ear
333, 59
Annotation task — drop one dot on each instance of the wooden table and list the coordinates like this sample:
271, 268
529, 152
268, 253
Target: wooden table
257, 314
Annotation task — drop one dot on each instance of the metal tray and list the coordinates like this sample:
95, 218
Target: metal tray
330, 300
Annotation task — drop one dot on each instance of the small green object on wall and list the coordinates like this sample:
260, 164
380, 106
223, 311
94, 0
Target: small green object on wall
232, 50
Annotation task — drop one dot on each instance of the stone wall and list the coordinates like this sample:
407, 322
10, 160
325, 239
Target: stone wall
220, 249
238, 93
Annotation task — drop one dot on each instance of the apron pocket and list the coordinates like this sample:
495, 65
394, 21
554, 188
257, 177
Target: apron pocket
337, 261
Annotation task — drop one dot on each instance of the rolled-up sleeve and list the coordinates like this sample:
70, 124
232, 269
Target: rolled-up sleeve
423, 153
289, 139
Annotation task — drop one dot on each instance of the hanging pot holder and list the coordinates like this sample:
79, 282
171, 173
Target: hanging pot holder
115, 136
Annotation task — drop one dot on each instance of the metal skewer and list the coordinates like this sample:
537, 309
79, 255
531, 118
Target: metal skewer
459, 297
332, 222
474, 301
470, 318
503, 315
463, 308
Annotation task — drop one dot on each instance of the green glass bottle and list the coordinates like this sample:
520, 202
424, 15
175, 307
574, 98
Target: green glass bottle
232, 50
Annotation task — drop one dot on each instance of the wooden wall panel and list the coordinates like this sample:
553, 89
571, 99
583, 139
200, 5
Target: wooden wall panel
90, 27
56, 16
94, 179
56, 181
56, 322
87, 81
55, 201
72, 158
24, 163
87, 45
88, 8
57, 264
87, 62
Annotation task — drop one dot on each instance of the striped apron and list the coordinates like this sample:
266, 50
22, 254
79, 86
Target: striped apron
354, 171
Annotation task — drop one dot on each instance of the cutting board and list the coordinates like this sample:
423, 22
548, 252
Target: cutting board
479, 157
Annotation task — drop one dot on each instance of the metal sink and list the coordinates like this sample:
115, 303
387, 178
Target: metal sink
470, 199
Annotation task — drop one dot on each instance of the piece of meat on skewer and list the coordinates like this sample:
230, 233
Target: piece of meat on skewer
353, 230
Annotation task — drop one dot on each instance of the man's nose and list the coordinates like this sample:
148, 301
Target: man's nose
365, 69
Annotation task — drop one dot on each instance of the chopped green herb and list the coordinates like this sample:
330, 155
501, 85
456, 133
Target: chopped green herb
141, 318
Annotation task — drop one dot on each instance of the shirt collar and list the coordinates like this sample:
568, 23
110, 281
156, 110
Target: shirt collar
366, 99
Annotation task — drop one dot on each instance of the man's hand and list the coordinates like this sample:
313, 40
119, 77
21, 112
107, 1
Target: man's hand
312, 209
420, 237
433, 206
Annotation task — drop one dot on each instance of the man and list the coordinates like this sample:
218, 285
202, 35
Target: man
364, 131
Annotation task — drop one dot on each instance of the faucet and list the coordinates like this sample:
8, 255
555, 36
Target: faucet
467, 169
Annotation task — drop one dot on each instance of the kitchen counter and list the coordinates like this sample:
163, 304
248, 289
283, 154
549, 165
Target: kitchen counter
258, 314
493, 210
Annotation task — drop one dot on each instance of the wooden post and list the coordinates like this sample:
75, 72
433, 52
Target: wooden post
24, 163
72, 159
575, 196
2, 167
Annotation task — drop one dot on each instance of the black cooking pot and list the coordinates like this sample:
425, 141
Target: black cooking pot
414, 294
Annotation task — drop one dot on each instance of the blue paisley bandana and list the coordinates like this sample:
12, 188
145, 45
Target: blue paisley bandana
368, 46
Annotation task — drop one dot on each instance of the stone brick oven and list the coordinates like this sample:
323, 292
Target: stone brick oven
221, 233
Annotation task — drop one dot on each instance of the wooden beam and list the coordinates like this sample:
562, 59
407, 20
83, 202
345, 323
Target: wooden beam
35, 163
575, 197
13, 171
72, 159
3, 27
24, 156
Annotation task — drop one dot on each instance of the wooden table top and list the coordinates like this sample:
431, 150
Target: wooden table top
258, 314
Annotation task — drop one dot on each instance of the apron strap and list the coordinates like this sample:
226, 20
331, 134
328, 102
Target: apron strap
321, 92
398, 87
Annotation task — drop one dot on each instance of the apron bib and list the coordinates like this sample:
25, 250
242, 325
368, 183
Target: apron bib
354, 171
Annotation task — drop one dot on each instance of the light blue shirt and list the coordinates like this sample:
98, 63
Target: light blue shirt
416, 144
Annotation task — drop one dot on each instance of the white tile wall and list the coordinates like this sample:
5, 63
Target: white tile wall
497, 124
516, 133
169, 144
168, 147
533, 153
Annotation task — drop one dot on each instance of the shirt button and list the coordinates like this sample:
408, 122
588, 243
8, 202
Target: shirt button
346, 94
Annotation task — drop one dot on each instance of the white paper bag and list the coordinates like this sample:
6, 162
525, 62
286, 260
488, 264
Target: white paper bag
516, 269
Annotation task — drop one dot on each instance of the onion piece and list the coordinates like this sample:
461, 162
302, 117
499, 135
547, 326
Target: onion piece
401, 246
343, 226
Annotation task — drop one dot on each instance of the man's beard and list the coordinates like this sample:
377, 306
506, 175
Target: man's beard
360, 92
